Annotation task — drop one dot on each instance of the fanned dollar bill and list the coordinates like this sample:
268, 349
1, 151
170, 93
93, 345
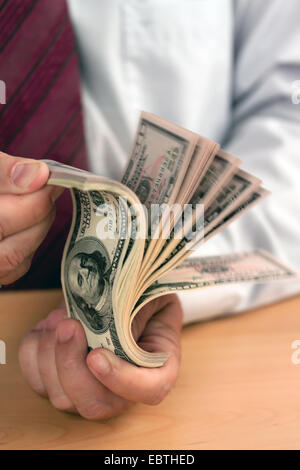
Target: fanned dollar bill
120, 252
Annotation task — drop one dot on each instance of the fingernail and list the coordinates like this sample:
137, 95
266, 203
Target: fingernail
101, 364
65, 333
23, 174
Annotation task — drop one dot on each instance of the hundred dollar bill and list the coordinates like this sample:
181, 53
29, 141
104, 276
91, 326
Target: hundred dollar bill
159, 160
111, 266
197, 273
188, 245
227, 198
92, 263
236, 196
200, 163
217, 174
255, 196
96, 253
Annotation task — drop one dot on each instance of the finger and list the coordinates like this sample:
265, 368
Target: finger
47, 364
17, 273
163, 331
147, 312
28, 359
17, 213
139, 384
91, 398
135, 384
21, 175
17, 249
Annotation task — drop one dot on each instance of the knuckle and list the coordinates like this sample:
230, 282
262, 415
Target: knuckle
164, 388
154, 399
12, 259
45, 348
93, 410
14, 275
5, 281
158, 395
68, 363
25, 267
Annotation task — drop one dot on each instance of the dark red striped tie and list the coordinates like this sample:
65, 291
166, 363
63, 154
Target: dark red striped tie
42, 117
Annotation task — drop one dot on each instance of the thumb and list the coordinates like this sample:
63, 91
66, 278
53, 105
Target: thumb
21, 175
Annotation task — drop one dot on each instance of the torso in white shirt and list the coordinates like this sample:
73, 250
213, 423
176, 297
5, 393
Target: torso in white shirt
169, 57
175, 58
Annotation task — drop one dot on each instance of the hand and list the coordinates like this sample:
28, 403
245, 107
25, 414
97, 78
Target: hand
27, 210
54, 361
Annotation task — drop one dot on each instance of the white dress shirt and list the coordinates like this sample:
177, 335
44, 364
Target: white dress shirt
222, 68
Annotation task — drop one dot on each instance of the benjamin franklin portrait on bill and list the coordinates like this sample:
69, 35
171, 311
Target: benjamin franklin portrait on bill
87, 281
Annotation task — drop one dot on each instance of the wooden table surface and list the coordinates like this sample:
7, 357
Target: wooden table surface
238, 388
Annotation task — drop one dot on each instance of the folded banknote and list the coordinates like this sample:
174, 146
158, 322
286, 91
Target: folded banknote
132, 241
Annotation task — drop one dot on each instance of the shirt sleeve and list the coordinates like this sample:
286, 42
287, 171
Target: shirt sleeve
265, 133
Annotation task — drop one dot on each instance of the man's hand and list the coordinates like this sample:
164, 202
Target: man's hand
27, 210
54, 360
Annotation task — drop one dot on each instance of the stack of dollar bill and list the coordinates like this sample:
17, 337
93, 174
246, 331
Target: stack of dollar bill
129, 241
